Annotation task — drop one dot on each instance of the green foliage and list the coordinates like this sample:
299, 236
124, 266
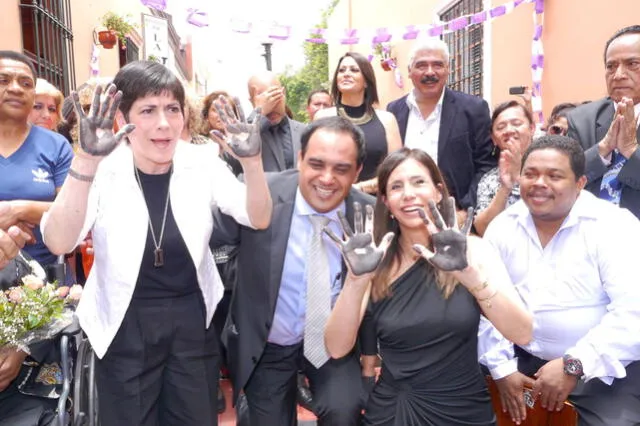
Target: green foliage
120, 24
313, 75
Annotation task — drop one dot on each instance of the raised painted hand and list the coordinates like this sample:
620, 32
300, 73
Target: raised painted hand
242, 139
96, 128
358, 249
449, 242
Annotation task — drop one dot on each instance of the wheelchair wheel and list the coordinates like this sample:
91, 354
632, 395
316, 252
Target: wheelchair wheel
85, 396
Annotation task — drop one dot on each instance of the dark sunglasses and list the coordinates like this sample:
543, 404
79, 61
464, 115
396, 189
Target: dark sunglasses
558, 130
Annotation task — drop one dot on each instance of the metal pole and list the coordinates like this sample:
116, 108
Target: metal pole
267, 54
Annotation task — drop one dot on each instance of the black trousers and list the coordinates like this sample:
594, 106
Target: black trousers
271, 390
162, 366
17, 409
597, 403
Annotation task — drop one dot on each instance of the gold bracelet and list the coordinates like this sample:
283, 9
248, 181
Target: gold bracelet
487, 300
480, 287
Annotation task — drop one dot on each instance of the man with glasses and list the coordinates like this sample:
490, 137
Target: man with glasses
607, 129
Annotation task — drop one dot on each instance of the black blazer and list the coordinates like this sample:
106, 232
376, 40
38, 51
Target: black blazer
465, 150
588, 124
260, 262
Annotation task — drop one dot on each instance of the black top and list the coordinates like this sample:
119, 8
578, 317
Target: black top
177, 277
428, 344
375, 141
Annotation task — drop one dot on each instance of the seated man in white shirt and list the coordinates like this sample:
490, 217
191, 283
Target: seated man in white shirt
568, 254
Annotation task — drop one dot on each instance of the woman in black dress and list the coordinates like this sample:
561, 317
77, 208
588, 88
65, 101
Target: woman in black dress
355, 94
425, 323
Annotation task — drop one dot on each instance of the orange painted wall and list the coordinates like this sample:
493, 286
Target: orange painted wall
11, 30
575, 32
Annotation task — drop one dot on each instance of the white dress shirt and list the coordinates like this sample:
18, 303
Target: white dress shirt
582, 288
118, 217
423, 133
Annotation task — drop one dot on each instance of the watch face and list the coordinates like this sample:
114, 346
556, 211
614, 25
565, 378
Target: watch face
573, 366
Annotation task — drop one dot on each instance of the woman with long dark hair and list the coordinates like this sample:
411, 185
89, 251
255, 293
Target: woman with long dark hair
420, 292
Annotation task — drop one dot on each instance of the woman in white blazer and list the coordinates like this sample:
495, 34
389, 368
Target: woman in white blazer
151, 294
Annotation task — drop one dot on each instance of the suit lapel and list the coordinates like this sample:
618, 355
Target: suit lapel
281, 227
403, 117
447, 117
603, 120
272, 145
295, 132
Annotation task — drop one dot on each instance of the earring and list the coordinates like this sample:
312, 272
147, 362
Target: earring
392, 217
493, 152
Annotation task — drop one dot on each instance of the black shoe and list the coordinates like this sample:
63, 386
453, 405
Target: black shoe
222, 402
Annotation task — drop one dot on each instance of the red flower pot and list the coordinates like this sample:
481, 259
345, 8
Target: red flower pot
108, 39
385, 64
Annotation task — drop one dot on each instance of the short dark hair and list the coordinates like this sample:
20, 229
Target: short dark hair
507, 105
142, 78
560, 111
17, 56
315, 92
370, 92
633, 29
563, 144
334, 124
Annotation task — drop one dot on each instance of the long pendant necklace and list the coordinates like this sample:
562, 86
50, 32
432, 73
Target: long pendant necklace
158, 253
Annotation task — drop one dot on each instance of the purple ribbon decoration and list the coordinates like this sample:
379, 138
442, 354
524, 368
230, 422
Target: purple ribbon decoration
479, 17
317, 36
411, 33
498, 11
198, 18
517, 3
539, 7
382, 36
155, 4
537, 61
280, 32
537, 33
351, 37
458, 23
436, 31
398, 77
370, 58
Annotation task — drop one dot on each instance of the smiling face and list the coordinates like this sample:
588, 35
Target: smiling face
622, 68
512, 125
548, 185
349, 76
409, 189
45, 112
429, 73
159, 122
17, 90
327, 169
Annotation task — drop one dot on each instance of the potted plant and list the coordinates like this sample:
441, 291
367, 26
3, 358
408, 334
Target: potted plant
117, 27
383, 50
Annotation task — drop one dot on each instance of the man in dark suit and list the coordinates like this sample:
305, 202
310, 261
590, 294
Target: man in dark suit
452, 127
280, 134
269, 335
607, 128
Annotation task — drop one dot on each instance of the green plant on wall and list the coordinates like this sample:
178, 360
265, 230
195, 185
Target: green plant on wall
120, 24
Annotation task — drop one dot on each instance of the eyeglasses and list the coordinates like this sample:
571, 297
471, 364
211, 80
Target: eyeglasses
557, 130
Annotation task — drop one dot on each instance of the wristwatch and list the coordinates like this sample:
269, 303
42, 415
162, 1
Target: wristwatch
572, 366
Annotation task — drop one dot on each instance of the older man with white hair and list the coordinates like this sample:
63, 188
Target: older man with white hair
426, 117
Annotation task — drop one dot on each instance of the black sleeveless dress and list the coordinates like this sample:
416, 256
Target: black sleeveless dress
375, 138
430, 372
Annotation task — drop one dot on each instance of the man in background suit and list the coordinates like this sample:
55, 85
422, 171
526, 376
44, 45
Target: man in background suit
266, 334
452, 127
609, 141
280, 135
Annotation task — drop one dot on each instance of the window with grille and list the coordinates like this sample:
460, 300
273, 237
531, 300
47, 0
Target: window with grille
465, 47
130, 53
48, 40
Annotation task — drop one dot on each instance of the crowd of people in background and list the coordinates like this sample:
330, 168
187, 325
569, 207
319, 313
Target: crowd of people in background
375, 265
